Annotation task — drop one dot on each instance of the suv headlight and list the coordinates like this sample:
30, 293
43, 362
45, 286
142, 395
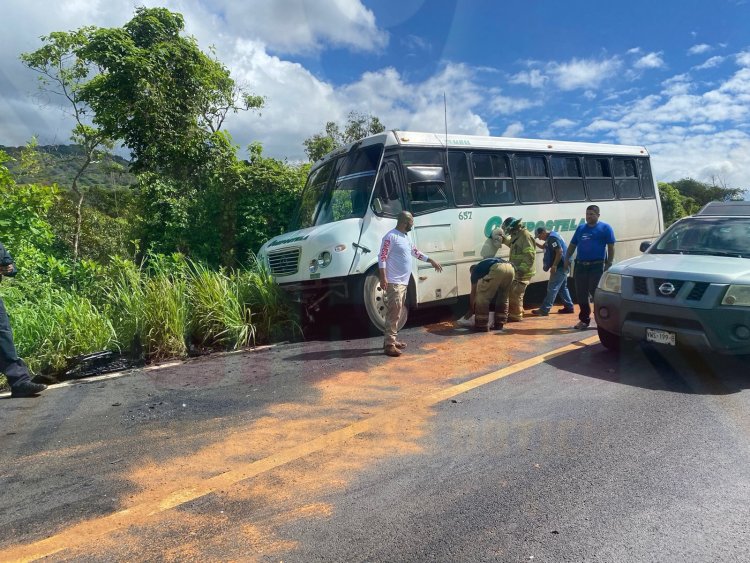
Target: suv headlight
611, 282
738, 295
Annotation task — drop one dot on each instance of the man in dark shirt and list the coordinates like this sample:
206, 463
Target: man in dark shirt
11, 365
492, 277
554, 262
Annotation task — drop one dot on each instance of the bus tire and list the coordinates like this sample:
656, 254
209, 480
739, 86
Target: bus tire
373, 300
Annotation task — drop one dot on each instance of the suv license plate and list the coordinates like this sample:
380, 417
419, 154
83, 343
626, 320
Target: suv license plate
661, 336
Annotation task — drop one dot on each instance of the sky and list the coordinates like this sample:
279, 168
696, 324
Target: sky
672, 75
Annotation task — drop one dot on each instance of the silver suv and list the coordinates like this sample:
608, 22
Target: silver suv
691, 287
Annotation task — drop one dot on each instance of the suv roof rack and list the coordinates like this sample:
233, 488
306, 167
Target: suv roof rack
726, 209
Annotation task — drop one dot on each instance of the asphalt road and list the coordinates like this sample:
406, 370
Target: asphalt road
532, 445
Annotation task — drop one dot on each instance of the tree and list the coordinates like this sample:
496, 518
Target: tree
702, 192
159, 93
672, 203
358, 125
65, 73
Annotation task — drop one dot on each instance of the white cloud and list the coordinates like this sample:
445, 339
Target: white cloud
533, 78
710, 63
513, 130
743, 59
297, 26
699, 49
563, 123
583, 73
652, 60
505, 105
634, 51
703, 134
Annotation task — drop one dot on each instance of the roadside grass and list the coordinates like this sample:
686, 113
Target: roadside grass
155, 311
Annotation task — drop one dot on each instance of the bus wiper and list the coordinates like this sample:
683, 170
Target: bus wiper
364, 249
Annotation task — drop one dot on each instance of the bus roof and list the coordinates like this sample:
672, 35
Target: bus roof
420, 139
413, 138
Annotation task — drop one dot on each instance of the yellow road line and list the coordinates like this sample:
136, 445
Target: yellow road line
89, 530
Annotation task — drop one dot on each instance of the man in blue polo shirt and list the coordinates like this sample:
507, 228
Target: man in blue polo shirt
554, 262
594, 242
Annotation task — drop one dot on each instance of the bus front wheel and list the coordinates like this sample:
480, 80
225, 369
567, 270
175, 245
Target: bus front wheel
373, 298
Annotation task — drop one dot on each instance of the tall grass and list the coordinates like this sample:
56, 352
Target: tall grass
153, 311
56, 326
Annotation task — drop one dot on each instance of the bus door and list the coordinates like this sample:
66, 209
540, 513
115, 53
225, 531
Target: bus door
385, 205
428, 201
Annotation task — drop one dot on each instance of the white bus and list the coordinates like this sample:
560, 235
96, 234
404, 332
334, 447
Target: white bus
458, 188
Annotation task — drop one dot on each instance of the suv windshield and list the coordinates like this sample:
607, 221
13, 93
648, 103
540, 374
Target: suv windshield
719, 236
339, 189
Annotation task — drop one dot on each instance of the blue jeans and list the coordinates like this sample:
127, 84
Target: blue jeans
558, 283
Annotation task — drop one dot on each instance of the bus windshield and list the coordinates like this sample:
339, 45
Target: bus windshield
339, 189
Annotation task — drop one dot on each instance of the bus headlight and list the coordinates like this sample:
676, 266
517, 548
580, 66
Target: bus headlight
611, 282
324, 258
737, 295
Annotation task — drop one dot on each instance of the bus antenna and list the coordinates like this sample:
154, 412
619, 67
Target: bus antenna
445, 120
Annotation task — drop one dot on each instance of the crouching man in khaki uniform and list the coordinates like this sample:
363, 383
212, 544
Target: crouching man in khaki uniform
491, 278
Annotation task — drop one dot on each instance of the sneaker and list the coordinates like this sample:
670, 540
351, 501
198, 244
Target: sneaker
463, 321
581, 326
392, 351
480, 328
497, 326
399, 345
566, 311
27, 389
539, 313
514, 320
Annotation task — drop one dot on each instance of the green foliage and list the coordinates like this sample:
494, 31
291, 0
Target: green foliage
24, 212
56, 325
158, 92
672, 203
58, 164
270, 193
357, 126
219, 316
685, 197
702, 192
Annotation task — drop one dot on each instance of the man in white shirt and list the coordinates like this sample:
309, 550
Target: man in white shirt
394, 261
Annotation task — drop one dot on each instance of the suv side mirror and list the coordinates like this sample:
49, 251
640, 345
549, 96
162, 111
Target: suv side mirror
645, 245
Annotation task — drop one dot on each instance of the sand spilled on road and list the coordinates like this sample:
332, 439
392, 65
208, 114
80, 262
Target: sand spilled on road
230, 499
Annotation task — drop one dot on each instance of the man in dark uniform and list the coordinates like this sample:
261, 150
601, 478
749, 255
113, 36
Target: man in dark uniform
11, 365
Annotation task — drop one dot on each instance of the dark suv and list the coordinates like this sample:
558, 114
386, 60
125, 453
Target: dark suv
691, 287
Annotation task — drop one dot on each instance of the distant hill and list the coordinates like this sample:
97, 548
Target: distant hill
59, 164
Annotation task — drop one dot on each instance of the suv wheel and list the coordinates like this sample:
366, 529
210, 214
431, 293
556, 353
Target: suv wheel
609, 340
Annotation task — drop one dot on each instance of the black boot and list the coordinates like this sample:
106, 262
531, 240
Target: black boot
26, 389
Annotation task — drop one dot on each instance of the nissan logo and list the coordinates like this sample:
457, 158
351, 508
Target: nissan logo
666, 288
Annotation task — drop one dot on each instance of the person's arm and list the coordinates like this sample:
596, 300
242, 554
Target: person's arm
424, 258
10, 270
610, 256
569, 254
556, 259
385, 248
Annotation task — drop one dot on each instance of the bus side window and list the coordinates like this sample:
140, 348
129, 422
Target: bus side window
567, 178
598, 177
626, 178
459, 176
387, 190
532, 178
647, 181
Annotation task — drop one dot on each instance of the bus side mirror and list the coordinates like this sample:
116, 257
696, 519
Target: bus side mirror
377, 205
644, 245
